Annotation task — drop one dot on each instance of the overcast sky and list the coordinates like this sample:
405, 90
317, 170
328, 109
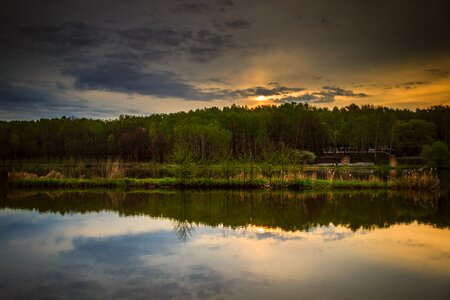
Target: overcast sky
101, 59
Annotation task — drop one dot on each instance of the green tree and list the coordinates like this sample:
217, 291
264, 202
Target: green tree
436, 155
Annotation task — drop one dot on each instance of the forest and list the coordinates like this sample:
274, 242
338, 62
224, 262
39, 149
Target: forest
214, 135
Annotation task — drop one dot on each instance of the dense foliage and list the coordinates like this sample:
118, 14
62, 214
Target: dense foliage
436, 155
213, 134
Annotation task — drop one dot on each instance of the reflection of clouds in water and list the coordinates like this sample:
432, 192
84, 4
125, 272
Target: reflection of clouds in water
121, 267
123, 247
412, 243
254, 233
332, 233
327, 233
128, 262
13, 225
276, 236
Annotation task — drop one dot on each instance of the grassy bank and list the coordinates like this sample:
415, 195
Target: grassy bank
104, 168
403, 183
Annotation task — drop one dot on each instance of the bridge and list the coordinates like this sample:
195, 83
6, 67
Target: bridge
347, 155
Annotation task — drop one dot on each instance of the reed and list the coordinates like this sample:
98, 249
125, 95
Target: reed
248, 178
421, 179
209, 183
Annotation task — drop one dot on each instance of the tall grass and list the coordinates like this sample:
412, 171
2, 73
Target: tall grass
250, 177
208, 183
421, 179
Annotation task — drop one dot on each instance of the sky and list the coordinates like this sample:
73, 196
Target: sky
102, 59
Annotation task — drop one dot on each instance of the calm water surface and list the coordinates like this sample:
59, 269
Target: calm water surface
225, 245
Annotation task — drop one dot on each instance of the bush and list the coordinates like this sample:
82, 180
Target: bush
436, 155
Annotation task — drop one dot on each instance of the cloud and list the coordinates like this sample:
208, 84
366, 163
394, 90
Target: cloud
329, 93
237, 24
132, 79
411, 84
56, 39
263, 91
206, 37
155, 43
123, 248
337, 91
208, 45
129, 56
144, 37
302, 98
440, 73
276, 236
196, 7
325, 21
226, 3
16, 98
18, 102
114, 258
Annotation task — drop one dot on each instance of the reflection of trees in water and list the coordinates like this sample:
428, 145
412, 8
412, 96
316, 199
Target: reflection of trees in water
184, 229
289, 211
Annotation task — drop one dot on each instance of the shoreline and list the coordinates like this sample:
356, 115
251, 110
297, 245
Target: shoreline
429, 183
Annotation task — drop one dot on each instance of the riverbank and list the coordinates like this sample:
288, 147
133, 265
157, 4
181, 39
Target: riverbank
410, 181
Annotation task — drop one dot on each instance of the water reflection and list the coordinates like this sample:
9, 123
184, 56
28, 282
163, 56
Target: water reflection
184, 229
288, 211
86, 245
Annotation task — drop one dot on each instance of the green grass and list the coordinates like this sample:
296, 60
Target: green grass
206, 183
242, 177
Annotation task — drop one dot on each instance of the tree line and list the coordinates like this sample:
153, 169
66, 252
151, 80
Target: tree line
213, 135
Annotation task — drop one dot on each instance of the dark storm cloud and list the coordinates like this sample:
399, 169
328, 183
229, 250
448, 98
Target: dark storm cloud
208, 45
329, 93
130, 57
264, 91
145, 37
38, 38
55, 39
28, 103
154, 43
238, 24
209, 38
362, 33
302, 98
14, 98
226, 2
337, 91
325, 21
193, 7
132, 79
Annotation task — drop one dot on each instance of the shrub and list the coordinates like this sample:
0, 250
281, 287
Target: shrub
436, 155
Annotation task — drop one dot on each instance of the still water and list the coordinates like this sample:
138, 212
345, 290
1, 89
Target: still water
224, 245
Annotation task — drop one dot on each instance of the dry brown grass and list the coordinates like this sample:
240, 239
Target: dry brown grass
54, 174
21, 175
114, 170
416, 180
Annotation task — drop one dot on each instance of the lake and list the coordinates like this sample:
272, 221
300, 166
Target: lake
224, 245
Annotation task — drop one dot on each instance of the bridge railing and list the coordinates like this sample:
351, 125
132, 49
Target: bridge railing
351, 150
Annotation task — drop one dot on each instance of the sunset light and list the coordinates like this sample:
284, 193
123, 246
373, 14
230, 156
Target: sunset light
167, 56
225, 149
